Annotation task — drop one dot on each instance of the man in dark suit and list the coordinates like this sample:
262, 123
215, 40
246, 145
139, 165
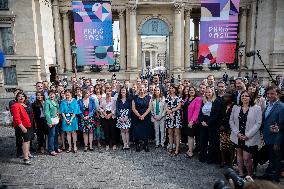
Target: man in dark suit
239, 88
273, 132
156, 82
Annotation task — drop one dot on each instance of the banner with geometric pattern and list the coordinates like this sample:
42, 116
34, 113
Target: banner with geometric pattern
93, 32
218, 31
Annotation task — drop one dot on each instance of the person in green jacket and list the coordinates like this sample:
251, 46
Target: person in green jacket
51, 108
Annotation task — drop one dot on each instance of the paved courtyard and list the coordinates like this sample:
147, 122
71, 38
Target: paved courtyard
103, 169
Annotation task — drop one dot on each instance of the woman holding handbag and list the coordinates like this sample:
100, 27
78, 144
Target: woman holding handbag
51, 109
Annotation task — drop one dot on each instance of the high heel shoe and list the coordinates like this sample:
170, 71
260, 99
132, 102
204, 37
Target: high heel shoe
137, 145
69, 150
146, 147
75, 150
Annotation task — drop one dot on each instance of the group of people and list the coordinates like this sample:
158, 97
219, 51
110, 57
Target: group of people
218, 121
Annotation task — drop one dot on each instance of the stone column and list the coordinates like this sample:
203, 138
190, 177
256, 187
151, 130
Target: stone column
156, 57
122, 40
177, 38
243, 34
1, 77
187, 39
67, 46
250, 60
58, 36
196, 35
133, 38
151, 59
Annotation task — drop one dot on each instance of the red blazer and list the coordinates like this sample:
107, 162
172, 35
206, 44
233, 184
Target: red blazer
20, 116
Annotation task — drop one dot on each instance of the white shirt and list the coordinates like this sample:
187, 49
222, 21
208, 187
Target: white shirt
206, 109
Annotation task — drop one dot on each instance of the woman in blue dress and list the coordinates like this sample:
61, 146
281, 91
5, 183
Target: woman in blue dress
141, 118
87, 124
123, 113
69, 109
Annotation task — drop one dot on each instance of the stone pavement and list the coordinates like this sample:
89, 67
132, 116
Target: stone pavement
118, 169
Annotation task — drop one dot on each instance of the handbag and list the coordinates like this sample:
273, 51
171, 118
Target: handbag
55, 120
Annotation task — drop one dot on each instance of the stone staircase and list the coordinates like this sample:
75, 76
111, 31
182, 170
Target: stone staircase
278, 69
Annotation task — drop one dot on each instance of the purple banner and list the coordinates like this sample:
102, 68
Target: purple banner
93, 32
219, 31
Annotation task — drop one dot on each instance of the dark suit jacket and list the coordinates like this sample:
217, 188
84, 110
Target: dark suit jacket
213, 121
235, 95
276, 115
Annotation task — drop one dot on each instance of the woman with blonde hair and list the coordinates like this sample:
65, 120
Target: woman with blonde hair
158, 111
208, 131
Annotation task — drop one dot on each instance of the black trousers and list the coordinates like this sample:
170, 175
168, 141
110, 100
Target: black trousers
274, 167
41, 131
203, 144
197, 137
209, 144
110, 131
214, 145
19, 142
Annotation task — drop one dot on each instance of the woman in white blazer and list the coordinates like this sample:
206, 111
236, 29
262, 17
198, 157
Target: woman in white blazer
245, 121
158, 111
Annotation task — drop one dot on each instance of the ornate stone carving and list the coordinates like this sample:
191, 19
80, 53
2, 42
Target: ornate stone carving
244, 11
121, 13
132, 8
188, 10
155, 16
46, 2
178, 7
7, 18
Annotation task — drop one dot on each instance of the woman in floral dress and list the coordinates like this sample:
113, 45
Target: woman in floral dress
173, 118
88, 108
123, 113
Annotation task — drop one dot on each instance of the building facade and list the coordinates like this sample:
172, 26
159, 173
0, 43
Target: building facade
36, 38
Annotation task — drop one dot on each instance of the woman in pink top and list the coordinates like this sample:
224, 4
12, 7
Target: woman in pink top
191, 108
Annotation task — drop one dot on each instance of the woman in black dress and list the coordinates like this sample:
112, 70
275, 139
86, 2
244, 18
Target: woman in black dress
40, 121
191, 108
141, 121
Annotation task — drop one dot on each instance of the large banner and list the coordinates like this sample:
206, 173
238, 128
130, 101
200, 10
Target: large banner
93, 32
219, 30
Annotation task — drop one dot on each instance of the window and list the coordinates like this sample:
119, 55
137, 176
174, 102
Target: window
4, 5
10, 75
6, 40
